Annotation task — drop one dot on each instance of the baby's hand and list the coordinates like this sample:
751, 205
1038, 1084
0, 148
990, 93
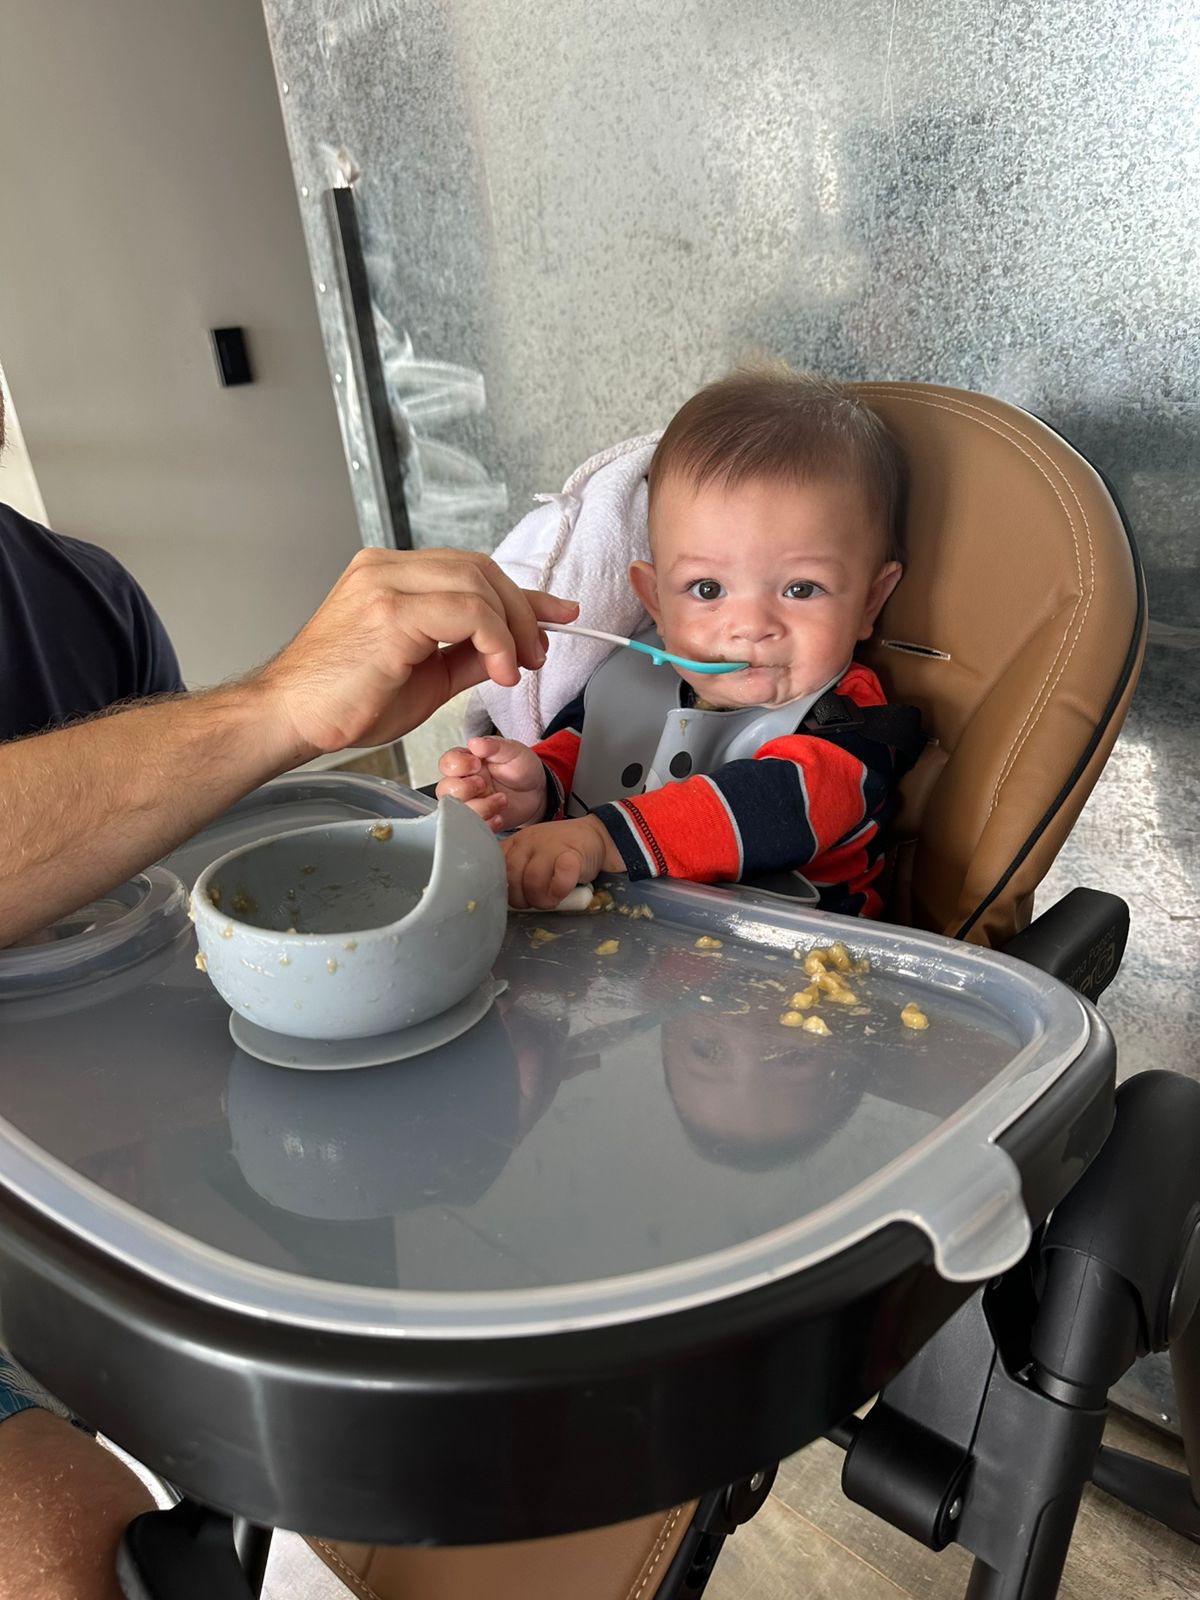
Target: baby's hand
500, 779
545, 862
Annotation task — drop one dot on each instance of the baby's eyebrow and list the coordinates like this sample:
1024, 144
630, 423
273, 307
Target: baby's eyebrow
797, 560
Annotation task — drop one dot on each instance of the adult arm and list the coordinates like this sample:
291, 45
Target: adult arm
84, 807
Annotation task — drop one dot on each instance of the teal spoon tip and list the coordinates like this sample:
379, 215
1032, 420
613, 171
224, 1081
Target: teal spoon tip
658, 657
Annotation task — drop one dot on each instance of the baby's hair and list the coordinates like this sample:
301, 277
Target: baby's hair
767, 421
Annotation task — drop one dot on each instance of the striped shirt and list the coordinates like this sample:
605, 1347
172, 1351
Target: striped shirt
816, 803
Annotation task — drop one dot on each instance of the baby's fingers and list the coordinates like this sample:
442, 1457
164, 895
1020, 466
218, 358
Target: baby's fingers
550, 876
458, 763
495, 750
491, 808
465, 789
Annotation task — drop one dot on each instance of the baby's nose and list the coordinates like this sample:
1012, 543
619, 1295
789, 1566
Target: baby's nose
752, 622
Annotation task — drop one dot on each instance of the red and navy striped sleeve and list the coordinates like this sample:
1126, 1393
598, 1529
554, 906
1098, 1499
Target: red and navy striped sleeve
817, 803
558, 752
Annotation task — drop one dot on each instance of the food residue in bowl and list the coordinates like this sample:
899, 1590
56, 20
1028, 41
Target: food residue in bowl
608, 947
381, 831
201, 961
243, 904
331, 965
913, 1017
707, 942
214, 893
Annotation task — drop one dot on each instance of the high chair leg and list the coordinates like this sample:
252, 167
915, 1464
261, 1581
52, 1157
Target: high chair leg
717, 1516
989, 1436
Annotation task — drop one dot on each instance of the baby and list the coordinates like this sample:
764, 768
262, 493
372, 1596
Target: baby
773, 512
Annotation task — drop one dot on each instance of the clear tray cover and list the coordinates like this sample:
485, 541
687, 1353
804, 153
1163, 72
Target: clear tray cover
629, 1130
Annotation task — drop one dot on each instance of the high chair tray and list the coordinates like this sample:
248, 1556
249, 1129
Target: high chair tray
630, 1216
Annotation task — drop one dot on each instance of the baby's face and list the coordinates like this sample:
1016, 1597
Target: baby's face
725, 1086
785, 576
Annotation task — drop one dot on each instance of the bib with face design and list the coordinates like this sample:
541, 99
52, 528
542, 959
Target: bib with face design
637, 734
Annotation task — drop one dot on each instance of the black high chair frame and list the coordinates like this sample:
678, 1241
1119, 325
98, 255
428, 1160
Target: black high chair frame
989, 1436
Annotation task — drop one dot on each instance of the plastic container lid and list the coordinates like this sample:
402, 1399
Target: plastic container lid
626, 1133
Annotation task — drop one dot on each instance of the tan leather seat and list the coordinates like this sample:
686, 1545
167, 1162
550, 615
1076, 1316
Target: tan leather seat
1018, 631
626, 1562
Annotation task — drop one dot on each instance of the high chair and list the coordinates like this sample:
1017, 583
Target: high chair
1018, 632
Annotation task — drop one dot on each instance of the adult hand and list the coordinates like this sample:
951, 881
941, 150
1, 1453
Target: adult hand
500, 779
399, 634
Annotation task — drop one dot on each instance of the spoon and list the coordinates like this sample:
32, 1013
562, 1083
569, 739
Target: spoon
656, 655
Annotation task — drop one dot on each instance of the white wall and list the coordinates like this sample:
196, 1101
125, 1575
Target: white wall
146, 196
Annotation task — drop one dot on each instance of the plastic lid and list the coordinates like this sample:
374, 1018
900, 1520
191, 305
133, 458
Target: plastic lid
627, 1132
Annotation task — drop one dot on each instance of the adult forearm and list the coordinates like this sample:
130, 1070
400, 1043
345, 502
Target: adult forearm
83, 808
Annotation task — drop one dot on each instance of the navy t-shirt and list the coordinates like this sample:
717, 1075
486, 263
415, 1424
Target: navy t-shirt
76, 632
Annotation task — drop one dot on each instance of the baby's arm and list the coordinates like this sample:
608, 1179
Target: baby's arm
798, 798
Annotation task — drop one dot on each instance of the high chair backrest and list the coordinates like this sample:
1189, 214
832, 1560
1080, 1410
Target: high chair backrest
1018, 630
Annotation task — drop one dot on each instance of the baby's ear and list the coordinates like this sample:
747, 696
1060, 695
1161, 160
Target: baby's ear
882, 584
643, 580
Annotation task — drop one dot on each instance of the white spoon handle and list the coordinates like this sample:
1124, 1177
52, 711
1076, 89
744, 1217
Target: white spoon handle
591, 633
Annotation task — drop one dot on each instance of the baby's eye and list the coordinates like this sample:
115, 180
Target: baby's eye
801, 591
706, 589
